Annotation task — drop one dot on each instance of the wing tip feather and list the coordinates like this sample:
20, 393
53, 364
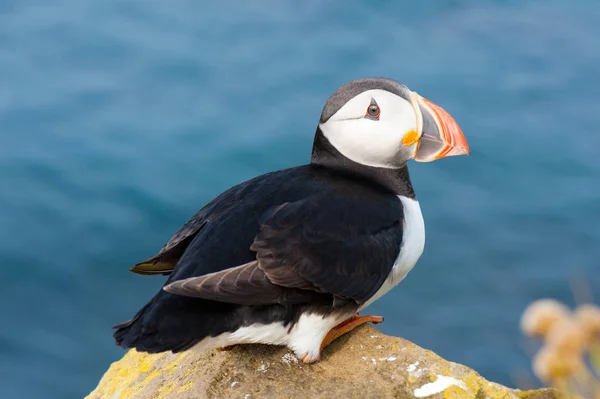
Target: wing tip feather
151, 267
176, 287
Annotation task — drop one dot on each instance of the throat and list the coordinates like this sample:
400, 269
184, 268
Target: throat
324, 154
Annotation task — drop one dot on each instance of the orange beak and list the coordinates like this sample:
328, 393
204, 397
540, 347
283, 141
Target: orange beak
440, 134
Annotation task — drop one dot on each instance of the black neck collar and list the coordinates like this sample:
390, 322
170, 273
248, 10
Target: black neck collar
324, 154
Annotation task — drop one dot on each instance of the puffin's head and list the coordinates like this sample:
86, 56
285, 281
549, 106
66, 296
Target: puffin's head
380, 122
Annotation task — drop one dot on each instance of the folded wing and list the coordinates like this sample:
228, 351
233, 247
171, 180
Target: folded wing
308, 251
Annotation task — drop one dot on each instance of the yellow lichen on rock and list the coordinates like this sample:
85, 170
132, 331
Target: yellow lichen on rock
165, 390
186, 387
127, 378
456, 392
490, 390
363, 364
118, 380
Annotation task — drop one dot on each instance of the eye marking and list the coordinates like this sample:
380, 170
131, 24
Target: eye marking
373, 111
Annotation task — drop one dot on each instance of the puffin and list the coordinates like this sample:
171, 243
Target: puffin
291, 257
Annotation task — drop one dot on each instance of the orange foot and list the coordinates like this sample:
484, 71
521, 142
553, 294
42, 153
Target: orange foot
341, 329
225, 348
347, 326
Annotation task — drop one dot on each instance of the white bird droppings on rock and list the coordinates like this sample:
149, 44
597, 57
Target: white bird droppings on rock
388, 358
379, 347
289, 358
263, 367
414, 371
373, 361
412, 367
234, 383
439, 385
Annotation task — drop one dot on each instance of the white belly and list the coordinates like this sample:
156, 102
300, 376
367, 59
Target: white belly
413, 242
304, 338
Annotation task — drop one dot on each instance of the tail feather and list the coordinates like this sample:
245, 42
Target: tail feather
168, 323
175, 323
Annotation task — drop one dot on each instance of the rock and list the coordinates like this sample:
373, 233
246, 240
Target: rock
362, 364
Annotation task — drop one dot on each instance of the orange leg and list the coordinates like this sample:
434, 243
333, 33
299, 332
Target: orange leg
347, 326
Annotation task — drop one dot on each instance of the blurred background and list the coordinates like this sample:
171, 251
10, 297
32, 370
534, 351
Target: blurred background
120, 118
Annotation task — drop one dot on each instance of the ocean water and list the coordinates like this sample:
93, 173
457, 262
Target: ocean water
120, 118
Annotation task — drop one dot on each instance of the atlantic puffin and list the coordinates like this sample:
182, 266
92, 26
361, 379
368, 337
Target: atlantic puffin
290, 257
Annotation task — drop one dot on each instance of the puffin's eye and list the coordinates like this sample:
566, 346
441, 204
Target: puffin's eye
373, 110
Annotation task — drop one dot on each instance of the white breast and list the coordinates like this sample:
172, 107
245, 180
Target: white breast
413, 242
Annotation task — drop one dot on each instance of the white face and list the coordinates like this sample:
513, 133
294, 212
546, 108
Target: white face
387, 140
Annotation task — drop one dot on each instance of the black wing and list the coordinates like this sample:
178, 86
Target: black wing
324, 245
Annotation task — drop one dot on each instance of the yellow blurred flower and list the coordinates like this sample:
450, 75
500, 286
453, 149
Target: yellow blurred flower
539, 317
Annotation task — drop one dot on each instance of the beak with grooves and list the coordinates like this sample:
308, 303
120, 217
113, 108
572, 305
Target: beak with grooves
440, 134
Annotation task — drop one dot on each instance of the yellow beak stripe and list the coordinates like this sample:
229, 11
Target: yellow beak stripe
410, 138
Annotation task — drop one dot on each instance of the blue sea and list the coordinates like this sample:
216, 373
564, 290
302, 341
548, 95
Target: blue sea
120, 118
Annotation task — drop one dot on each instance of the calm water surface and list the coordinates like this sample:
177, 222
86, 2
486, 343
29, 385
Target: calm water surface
120, 118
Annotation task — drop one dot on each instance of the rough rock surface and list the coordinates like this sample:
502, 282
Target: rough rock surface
363, 364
